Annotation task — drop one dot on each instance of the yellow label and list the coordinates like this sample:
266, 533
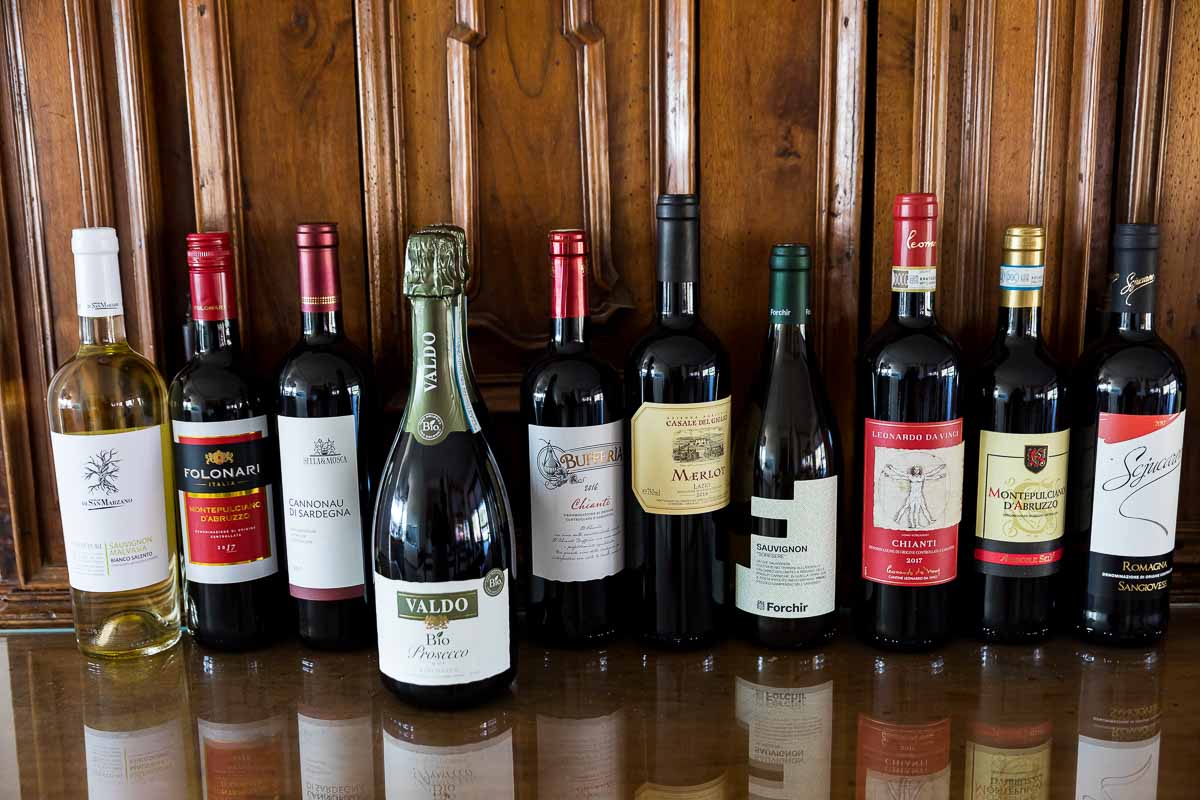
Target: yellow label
1022, 490
681, 457
995, 773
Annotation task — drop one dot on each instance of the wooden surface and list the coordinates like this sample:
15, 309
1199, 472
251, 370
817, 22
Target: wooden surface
618, 722
799, 121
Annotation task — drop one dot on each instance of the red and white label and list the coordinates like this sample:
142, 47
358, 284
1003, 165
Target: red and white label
913, 479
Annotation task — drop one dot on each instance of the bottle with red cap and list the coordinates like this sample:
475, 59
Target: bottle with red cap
571, 404
225, 468
323, 416
911, 449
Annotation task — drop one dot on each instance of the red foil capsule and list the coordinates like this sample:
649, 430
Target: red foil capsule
568, 273
914, 240
320, 285
210, 273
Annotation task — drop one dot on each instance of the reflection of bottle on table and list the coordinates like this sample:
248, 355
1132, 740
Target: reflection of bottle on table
1119, 725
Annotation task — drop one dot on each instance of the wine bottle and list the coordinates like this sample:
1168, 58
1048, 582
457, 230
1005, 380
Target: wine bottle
912, 449
677, 397
1019, 464
323, 420
225, 463
785, 551
111, 441
1127, 452
571, 404
443, 547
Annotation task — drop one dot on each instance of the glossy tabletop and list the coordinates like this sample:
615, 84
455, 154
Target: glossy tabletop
1062, 720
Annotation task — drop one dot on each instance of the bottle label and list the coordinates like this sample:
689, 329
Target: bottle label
1021, 277
213, 296
141, 763
1132, 290
1021, 503
793, 576
243, 759
225, 497
581, 758
322, 518
1131, 765
1020, 773
443, 633
438, 403
914, 279
113, 503
695, 478
478, 771
791, 738
896, 760
336, 758
98, 285
913, 478
577, 501
1135, 501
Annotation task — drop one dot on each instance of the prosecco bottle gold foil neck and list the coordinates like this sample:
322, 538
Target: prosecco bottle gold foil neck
1024, 246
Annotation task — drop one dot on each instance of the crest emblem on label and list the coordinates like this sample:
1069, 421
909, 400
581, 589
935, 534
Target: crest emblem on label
1036, 456
218, 457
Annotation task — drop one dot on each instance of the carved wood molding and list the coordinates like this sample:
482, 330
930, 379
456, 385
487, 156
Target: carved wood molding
1042, 120
87, 96
931, 83
30, 185
212, 122
462, 97
592, 83
673, 96
1144, 127
139, 139
34, 608
1079, 175
979, 55
381, 132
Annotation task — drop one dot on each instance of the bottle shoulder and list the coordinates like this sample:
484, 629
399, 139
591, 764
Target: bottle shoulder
215, 385
694, 344
893, 346
106, 389
1020, 363
570, 372
332, 367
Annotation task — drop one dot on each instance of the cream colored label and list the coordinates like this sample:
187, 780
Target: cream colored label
1022, 486
716, 789
1016, 773
681, 457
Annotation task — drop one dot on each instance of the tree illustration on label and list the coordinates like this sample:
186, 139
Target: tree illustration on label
913, 510
102, 470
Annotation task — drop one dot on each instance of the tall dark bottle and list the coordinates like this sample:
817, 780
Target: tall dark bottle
443, 546
1018, 458
1127, 452
912, 449
225, 468
785, 547
571, 404
677, 396
323, 422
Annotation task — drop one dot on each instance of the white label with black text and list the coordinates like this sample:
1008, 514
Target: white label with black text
794, 576
577, 501
322, 518
113, 504
141, 764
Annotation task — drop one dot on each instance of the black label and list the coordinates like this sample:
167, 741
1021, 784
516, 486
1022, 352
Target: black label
226, 464
1129, 576
1132, 289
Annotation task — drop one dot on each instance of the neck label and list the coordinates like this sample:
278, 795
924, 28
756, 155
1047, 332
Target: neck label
213, 297
1022, 278
437, 403
98, 286
914, 279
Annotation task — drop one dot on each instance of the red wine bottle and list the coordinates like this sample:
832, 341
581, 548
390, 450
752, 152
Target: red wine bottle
225, 468
785, 547
912, 449
1127, 453
322, 409
677, 396
1019, 442
571, 404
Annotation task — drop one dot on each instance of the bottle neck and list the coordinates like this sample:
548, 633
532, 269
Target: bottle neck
569, 303
914, 268
569, 334
676, 303
1130, 322
790, 312
1132, 291
437, 400
912, 305
1020, 323
214, 309
214, 335
320, 292
321, 325
101, 331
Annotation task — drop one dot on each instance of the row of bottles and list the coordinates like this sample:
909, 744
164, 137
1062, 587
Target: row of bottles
193, 724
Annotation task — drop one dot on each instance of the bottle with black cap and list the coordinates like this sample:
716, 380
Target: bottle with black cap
1126, 457
677, 397
784, 543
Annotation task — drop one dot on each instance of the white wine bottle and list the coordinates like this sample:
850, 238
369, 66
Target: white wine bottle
443, 545
112, 457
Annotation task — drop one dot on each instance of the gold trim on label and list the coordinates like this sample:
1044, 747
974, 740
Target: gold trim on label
1020, 298
243, 493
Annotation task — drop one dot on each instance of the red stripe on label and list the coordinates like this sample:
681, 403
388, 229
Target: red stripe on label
1018, 559
340, 593
232, 439
1117, 428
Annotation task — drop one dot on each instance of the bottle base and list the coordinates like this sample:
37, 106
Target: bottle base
231, 644
1010, 636
451, 697
691, 642
903, 645
1097, 636
145, 648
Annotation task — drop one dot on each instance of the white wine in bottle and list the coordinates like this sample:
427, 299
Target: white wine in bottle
112, 457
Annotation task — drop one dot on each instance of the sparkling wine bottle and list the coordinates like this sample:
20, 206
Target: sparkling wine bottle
111, 439
323, 419
443, 546
571, 404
